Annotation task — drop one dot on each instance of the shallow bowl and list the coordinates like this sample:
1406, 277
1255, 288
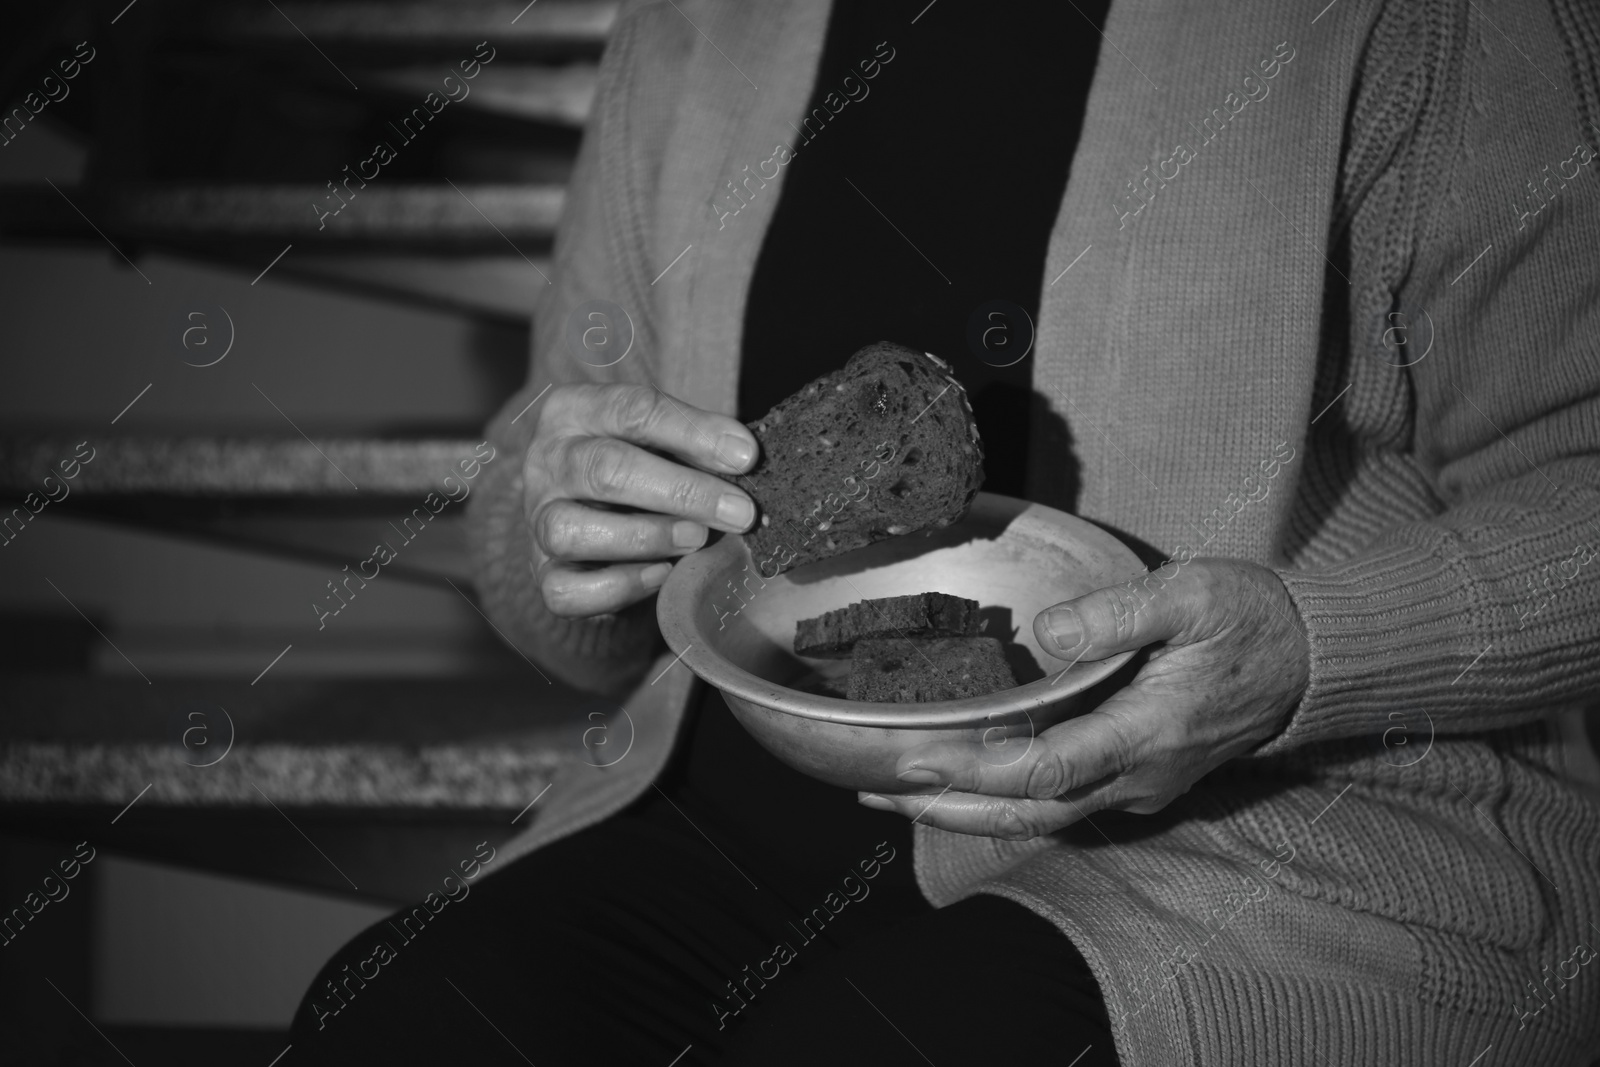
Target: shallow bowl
735, 629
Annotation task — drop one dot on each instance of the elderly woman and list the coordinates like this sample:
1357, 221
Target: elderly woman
1317, 332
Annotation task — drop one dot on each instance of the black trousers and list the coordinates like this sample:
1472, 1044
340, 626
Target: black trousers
738, 913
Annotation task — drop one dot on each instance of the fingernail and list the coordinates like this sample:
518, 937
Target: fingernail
736, 510
921, 776
735, 450
875, 802
688, 534
1064, 628
652, 576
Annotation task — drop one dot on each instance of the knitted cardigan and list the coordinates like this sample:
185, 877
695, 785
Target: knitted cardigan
1360, 238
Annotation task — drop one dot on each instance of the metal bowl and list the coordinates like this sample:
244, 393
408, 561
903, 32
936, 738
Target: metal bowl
735, 629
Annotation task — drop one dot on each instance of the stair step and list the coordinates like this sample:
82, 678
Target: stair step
426, 22
429, 215
560, 95
242, 467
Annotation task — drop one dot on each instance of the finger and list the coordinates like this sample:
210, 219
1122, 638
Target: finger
970, 813
1069, 757
575, 592
651, 418
615, 472
1123, 617
567, 530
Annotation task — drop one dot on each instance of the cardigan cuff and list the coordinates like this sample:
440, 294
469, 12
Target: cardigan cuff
1389, 631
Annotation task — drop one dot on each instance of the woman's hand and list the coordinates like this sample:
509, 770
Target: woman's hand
1231, 661
607, 512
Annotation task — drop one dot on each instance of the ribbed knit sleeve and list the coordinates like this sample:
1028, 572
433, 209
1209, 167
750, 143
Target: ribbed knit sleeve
598, 256
1483, 258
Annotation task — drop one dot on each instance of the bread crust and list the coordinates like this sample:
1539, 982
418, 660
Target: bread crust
886, 445
835, 633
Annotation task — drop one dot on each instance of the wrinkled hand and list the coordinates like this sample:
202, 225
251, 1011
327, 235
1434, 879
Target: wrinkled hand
1231, 660
608, 513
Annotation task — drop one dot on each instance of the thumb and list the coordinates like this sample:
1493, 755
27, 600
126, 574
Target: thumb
1118, 618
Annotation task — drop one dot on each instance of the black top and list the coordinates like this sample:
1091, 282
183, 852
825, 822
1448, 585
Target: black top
960, 132
930, 193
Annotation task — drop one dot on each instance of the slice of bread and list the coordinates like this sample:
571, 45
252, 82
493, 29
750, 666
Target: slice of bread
886, 445
922, 615
915, 670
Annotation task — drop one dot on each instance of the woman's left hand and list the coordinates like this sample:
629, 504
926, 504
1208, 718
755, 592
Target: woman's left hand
1231, 662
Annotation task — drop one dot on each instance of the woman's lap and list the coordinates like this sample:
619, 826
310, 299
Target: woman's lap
981, 981
687, 922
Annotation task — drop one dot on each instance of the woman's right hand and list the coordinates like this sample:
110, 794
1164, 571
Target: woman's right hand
608, 513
